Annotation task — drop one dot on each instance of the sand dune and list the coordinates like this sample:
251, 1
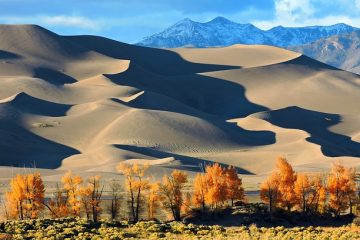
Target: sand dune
86, 103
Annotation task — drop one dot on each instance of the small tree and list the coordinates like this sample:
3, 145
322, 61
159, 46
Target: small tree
153, 199
135, 184
200, 190
171, 191
216, 185
341, 187
85, 198
72, 184
310, 192
95, 197
287, 178
302, 191
25, 200
234, 189
269, 191
57, 205
114, 207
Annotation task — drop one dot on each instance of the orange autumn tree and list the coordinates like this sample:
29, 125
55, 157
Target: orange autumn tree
135, 185
341, 187
58, 203
72, 184
25, 200
200, 190
90, 196
318, 194
153, 199
310, 192
287, 178
172, 191
216, 185
269, 191
234, 189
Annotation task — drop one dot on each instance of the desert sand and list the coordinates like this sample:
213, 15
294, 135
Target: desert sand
86, 103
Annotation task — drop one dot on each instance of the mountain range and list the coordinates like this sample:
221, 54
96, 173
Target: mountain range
336, 45
221, 32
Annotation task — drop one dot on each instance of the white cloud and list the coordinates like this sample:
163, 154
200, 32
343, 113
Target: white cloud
297, 13
357, 4
293, 10
54, 21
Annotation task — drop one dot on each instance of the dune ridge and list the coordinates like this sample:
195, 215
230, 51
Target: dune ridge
86, 103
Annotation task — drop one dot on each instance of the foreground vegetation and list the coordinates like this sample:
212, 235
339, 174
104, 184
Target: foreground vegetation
69, 228
297, 201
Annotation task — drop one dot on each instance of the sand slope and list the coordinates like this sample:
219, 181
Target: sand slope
86, 103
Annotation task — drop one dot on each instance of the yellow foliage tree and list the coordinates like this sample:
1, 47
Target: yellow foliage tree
90, 196
234, 189
171, 192
58, 204
269, 191
287, 178
153, 199
135, 184
72, 184
200, 190
25, 200
341, 187
216, 185
310, 192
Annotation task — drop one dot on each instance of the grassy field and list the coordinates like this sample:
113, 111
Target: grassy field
70, 228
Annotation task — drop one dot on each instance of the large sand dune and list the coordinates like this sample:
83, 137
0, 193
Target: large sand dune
86, 103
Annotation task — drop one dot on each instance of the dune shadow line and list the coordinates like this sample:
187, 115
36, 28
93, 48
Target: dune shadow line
187, 163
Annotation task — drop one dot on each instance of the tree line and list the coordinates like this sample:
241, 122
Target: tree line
334, 192
214, 189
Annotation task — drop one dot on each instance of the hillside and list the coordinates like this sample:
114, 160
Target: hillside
341, 51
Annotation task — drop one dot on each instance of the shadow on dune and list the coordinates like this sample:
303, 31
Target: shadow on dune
29, 104
305, 61
22, 148
187, 163
167, 73
238, 135
316, 124
210, 95
8, 55
159, 61
53, 76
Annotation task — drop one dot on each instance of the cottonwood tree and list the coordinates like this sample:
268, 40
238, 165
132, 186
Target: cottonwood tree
171, 192
25, 200
216, 185
234, 189
135, 184
310, 192
287, 178
58, 203
200, 190
341, 187
91, 197
153, 199
115, 201
269, 191
72, 185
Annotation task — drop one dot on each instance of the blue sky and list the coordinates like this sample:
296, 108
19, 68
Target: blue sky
131, 20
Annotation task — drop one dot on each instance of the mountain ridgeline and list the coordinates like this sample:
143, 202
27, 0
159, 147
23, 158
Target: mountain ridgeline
221, 32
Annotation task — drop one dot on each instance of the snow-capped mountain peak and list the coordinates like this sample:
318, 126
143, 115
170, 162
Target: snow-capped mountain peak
223, 32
